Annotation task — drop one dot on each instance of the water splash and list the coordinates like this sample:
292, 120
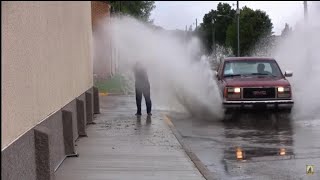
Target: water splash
300, 52
180, 78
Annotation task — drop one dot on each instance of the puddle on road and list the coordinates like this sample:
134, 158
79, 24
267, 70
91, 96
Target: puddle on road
258, 145
254, 154
257, 136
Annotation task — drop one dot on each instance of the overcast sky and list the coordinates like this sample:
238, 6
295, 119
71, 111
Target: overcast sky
177, 14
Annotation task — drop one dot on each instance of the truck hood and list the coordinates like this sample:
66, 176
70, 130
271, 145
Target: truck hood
255, 81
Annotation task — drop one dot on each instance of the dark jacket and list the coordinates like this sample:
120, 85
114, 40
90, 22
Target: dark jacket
141, 77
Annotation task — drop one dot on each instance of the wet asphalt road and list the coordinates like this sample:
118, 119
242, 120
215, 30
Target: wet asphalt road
272, 147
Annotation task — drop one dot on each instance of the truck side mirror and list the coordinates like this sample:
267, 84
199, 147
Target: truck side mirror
288, 74
216, 74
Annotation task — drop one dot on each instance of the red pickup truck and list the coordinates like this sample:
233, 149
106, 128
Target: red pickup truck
254, 83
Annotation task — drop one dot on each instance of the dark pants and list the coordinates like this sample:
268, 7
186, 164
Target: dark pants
146, 94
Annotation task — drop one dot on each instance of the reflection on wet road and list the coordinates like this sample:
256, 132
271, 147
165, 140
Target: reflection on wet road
254, 146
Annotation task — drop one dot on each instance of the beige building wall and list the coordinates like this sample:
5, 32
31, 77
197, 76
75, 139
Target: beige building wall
46, 61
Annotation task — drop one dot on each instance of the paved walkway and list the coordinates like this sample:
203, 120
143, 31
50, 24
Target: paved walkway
120, 146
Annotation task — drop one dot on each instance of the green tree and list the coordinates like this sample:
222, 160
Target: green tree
223, 17
254, 27
138, 9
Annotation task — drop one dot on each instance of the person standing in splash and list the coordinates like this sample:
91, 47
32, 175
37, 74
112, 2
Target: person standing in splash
142, 87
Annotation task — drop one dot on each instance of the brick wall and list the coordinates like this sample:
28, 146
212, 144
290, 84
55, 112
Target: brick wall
102, 63
99, 10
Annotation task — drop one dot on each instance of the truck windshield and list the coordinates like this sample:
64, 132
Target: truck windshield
251, 68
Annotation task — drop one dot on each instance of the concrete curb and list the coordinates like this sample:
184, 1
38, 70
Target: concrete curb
110, 94
194, 158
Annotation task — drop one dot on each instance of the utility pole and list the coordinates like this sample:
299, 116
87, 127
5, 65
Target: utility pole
307, 36
213, 40
186, 37
305, 5
196, 23
238, 34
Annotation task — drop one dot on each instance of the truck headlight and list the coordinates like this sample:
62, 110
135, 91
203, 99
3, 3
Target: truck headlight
284, 92
233, 90
280, 89
283, 89
237, 90
232, 93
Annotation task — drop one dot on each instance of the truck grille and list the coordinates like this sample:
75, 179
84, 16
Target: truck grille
259, 93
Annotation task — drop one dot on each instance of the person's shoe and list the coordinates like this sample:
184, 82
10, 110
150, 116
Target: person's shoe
138, 114
149, 114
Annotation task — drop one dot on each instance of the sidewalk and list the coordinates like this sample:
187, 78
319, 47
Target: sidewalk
120, 146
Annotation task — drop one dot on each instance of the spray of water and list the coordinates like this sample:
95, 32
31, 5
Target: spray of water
180, 78
300, 53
